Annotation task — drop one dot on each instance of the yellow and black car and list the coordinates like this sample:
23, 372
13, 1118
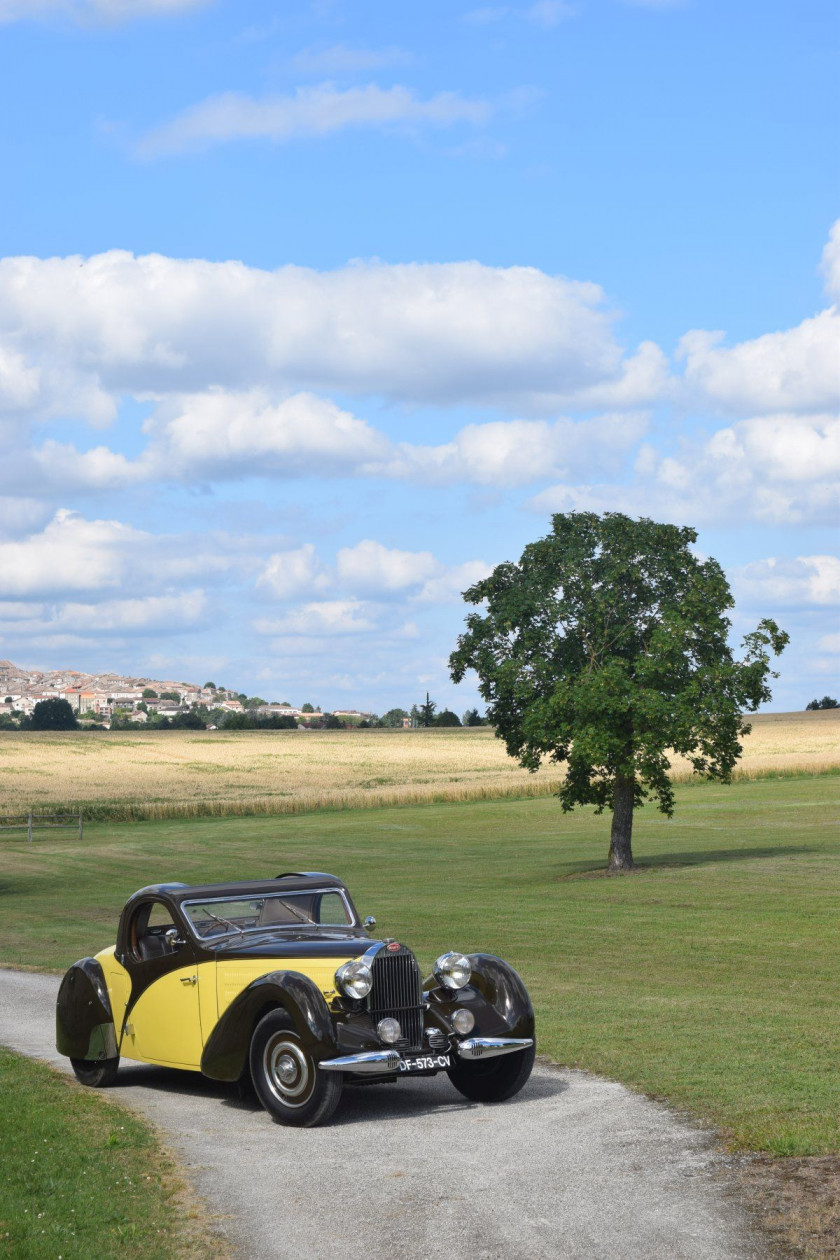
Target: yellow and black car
279, 979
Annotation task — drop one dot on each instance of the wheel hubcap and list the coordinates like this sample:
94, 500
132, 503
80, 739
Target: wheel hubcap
287, 1070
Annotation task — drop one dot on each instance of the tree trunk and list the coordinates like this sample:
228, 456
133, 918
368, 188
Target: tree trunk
621, 851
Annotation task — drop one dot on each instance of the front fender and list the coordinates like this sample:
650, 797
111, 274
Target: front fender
84, 1023
226, 1052
496, 995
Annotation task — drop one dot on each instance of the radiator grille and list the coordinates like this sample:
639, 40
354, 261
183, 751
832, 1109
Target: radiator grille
398, 991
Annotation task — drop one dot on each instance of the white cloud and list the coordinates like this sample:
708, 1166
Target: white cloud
230, 434
830, 265
366, 576
94, 10
321, 617
794, 370
73, 555
95, 329
146, 615
806, 581
371, 567
290, 573
310, 112
339, 59
519, 452
779, 470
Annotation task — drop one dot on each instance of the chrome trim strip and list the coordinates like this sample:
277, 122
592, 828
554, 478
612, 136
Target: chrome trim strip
368, 1061
488, 1047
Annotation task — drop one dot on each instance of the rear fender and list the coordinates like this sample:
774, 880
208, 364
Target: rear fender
84, 1023
226, 1052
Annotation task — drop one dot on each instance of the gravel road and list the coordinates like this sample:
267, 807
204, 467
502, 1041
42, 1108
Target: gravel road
576, 1167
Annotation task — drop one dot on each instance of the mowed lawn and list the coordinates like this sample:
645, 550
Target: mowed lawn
711, 977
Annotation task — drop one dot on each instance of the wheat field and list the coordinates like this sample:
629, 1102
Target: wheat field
193, 773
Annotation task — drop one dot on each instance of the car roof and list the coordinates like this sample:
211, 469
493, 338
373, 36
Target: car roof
292, 881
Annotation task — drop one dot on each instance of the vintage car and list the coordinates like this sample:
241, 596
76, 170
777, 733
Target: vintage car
280, 981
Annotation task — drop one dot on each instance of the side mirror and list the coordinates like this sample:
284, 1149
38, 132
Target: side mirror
173, 940
370, 923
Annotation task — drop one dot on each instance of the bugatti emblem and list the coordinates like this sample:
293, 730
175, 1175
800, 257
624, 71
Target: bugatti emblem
393, 946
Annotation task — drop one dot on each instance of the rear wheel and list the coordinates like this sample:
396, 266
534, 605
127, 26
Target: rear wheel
286, 1077
95, 1072
493, 1080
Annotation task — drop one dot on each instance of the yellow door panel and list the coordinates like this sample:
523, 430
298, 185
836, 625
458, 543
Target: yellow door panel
164, 1025
234, 976
118, 982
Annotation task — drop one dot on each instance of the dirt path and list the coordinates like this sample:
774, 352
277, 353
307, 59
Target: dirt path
576, 1168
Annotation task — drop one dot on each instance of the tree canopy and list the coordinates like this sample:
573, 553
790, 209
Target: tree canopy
827, 702
605, 649
53, 715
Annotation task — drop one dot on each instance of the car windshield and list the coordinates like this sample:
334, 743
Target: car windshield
220, 916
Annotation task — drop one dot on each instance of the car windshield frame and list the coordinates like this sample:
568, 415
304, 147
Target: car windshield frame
264, 929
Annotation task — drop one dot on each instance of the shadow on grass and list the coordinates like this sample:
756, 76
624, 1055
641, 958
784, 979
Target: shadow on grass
689, 857
400, 1100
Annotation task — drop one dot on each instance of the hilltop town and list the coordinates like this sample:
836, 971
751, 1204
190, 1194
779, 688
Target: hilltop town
101, 697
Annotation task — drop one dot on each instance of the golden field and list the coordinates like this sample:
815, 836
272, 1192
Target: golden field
188, 773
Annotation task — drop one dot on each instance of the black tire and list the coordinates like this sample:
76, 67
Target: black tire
286, 1077
98, 1073
493, 1080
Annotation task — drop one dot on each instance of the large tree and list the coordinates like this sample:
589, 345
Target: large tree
606, 648
53, 715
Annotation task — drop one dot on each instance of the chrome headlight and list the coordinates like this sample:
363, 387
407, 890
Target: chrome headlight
453, 970
355, 979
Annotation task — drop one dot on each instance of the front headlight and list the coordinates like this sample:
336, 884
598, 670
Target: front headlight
453, 970
354, 978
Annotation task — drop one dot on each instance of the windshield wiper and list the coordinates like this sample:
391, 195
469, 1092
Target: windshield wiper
235, 926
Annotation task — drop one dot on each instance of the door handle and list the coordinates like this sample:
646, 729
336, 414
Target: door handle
189, 979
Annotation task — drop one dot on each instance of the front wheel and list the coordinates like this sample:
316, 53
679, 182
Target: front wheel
98, 1073
286, 1077
493, 1080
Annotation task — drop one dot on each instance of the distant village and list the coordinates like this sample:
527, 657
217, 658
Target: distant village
106, 699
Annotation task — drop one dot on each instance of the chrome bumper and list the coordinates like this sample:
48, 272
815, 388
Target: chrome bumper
488, 1047
379, 1061
368, 1061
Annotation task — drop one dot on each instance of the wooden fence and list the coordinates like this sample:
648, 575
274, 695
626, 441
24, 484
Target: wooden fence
42, 822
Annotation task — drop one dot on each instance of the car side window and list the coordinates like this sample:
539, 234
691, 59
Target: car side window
332, 910
147, 932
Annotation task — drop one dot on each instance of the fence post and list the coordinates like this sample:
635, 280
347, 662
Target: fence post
81, 827
29, 828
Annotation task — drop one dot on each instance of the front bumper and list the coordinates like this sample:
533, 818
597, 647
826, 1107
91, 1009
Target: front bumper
378, 1062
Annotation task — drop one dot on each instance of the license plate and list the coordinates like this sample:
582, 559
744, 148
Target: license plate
425, 1062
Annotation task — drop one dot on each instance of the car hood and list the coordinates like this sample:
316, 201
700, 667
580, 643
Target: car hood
324, 943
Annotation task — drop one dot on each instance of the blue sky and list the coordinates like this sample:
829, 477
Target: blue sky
310, 314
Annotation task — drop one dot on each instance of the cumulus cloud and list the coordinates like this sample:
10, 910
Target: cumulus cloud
294, 572
94, 10
73, 554
310, 112
364, 574
223, 436
371, 567
795, 370
321, 617
779, 470
114, 324
806, 581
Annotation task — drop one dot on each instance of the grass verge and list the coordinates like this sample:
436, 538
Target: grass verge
708, 978
82, 1178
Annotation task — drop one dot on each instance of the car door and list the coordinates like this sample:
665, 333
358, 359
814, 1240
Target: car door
163, 1022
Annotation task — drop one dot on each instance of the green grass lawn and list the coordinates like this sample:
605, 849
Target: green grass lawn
711, 977
80, 1178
